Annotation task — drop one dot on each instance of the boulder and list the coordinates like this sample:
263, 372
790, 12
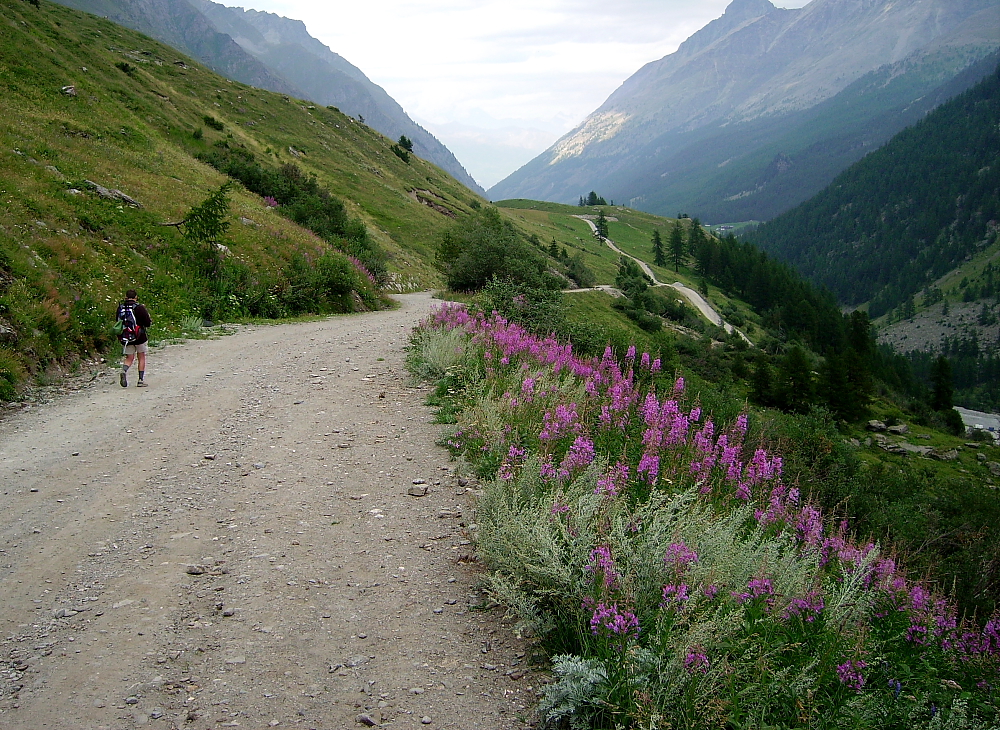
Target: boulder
112, 194
994, 468
876, 426
900, 430
69, 90
951, 455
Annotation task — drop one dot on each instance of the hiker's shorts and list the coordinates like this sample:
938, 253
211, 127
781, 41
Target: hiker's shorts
133, 349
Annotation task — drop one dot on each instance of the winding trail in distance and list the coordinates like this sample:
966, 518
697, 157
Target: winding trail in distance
696, 299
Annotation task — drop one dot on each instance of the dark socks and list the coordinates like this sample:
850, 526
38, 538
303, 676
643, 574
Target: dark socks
141, 373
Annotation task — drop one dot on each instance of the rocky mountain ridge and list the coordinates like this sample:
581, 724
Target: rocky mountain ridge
749, 75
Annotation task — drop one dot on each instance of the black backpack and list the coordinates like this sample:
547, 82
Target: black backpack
126, 326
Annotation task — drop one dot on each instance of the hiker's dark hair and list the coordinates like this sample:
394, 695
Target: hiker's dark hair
131, 294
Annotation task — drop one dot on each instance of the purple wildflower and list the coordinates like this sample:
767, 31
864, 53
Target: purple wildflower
610, 484
679, 556
696, 660
850, 674
756, 588
612, 619
808, 608
675, 594
580, 455
601, 561
650, 466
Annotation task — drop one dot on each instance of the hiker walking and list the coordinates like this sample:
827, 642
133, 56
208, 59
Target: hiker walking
131, 322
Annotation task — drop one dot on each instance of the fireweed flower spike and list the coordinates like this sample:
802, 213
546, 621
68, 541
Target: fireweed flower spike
610, 619
696, 660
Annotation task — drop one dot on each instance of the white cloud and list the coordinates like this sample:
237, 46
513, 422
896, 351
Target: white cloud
545, 63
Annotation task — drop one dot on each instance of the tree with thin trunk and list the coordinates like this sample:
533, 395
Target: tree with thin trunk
677, 248
658, 257
601, 224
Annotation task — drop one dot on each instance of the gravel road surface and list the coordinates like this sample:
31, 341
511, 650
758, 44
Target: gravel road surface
248, 543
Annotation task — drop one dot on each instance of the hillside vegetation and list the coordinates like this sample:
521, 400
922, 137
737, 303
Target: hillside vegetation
905, 215
912, 230
269, 51
678, 571
814, 374
86, 103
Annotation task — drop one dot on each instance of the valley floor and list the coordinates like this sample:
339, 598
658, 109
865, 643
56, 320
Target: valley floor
240, 544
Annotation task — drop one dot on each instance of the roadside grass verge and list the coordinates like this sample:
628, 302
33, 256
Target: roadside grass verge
651, 543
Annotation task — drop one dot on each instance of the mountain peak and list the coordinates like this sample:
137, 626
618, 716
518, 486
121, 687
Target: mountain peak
745, 9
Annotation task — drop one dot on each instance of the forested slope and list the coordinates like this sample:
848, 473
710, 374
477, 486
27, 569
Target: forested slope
906, 214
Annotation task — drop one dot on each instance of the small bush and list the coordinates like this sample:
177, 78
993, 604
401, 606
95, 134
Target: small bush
483, 247
213, 123
401, 153
12, 374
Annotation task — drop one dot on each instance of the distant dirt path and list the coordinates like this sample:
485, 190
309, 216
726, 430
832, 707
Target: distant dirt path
699, 302
235, 546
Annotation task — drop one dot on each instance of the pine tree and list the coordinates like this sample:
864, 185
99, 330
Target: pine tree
658, 258
796, 389
696, 238
206, 225
762, 383
554, 249
677, 249
941, 398
601, 224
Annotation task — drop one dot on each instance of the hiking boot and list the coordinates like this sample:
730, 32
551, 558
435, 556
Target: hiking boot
123, 379
141, 384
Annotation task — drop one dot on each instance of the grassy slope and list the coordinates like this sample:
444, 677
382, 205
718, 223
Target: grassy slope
133, 131
632, 232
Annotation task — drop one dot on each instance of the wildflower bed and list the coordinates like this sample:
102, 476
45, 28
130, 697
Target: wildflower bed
675, 579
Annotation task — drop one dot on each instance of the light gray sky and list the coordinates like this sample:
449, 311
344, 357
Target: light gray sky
499, 80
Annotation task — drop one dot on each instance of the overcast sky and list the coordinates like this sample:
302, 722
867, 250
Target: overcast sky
464, 67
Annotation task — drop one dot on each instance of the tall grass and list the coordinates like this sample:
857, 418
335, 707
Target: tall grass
673, 576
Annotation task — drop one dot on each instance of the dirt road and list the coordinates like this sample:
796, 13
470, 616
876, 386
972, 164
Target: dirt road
240, 545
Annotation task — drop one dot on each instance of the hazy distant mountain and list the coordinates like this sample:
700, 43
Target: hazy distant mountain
715, 128
276, 53
178, 24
